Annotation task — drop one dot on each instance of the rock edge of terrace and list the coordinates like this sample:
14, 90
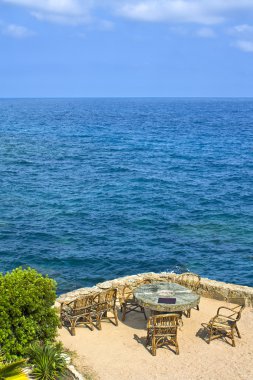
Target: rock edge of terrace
208, 288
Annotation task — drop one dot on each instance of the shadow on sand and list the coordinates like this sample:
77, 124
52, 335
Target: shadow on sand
134, 320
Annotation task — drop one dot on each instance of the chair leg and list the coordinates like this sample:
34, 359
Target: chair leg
143, 310
237, 331
99, 327
210, 335
123, 313
153, 346
73, 328
188, 313
148, 338
116, 317
197, 307
177, 348
90, 322
98, 322
232, 337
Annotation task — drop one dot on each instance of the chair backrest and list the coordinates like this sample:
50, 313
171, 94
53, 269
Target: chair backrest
127, 292
146, 281
105, 300
189, 280
110, 297
164, 324
81, 304
239, 306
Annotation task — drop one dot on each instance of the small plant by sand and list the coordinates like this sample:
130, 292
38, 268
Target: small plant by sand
48, 361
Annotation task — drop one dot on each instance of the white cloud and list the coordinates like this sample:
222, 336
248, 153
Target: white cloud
58, 11
61, 18
243, 37
244, 45
16, 31
205, 33
244, 28
203, 12
52, 6
169, 10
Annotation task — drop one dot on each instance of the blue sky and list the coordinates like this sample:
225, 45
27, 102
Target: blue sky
52, 48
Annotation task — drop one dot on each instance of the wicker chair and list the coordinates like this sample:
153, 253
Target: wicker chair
224, 324
103, 303
192, 281
76, 312
162, 330
128, 302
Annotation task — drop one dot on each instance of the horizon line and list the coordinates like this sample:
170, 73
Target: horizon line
125, 97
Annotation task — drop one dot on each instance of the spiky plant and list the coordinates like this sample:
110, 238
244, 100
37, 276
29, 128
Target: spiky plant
48, 362
12, 371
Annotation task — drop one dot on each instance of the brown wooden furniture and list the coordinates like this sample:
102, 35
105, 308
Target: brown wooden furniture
128, 302
104, 303
224, 324
191, 281
162, 330
76, 312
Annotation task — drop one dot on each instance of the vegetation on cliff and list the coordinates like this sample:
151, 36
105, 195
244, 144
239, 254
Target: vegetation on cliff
26, 312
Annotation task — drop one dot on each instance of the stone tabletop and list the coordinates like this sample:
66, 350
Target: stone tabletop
147, 296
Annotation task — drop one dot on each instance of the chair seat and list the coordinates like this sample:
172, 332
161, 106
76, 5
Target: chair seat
162, 332
221, 322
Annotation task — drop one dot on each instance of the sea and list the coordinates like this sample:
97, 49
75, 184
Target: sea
93, 189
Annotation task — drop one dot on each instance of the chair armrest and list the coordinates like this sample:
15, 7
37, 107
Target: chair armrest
226, 316
62, 303
65, 303
226, 308
83, 308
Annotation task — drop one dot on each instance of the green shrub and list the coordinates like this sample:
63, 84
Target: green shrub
26, 313
48, 361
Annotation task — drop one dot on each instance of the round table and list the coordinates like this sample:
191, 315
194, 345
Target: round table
148, 295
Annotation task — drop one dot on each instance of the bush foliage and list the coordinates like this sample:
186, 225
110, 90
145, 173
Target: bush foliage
26, 313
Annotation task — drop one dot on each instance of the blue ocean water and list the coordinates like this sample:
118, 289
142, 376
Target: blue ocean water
93, 189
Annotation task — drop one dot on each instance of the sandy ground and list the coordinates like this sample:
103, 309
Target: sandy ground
119, 353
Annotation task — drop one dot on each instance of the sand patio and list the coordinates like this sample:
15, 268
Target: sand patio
120, 352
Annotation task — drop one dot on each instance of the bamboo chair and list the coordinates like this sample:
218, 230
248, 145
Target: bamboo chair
162, 330
224, 323
128, 301
103, 303
77, 312
191, 281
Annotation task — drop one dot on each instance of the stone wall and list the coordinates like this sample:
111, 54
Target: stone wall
208, 288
